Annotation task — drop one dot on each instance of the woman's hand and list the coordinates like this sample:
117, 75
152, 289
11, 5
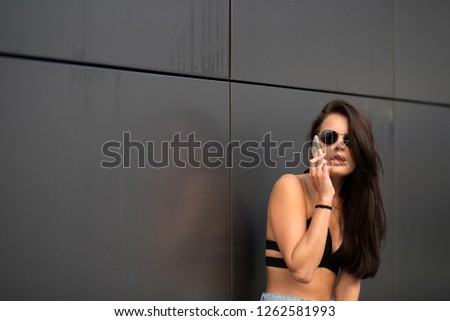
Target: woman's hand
319, 173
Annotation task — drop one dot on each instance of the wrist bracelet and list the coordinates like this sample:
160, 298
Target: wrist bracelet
324, 206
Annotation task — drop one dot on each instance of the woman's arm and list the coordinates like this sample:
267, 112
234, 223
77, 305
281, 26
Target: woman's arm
302, 249
347, 288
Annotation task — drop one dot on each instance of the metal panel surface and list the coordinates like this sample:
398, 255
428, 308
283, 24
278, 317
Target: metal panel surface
344, 46
73, 230
287, 116
43, 28
188, 37
422, 67
181, 36
422, 201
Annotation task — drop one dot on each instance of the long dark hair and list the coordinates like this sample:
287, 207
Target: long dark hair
362, 212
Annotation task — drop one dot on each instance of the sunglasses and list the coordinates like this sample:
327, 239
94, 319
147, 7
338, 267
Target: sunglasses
329, 137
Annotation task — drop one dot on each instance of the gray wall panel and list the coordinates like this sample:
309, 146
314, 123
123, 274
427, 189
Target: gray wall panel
422, 67
180, 36
287, 115
422, 201
71, 230
44, 28
340, 46
176, 36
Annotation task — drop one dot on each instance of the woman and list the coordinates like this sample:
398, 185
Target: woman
325, 227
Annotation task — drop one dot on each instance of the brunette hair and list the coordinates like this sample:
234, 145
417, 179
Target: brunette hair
363, 217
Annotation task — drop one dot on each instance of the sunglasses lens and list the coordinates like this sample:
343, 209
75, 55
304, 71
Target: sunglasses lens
328, 137
346, 140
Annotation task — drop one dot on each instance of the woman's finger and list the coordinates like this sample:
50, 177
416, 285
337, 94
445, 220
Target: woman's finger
325, 167
316, 159
316, 168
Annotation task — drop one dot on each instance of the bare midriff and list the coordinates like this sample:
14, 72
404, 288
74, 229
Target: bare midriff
320, 288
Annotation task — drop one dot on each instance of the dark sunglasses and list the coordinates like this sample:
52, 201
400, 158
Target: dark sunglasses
329, 137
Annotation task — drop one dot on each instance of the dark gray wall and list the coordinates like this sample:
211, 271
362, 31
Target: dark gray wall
74, 75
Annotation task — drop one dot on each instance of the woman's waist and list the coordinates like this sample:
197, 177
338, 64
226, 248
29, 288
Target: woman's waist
320, 288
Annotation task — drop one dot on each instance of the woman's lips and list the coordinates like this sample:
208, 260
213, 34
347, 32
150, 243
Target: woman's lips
338, 160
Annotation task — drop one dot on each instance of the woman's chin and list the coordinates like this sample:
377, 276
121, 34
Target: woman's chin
340, 171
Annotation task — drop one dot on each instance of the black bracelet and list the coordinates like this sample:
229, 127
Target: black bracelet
324, 206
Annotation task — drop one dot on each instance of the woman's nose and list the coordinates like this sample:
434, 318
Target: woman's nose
340, 144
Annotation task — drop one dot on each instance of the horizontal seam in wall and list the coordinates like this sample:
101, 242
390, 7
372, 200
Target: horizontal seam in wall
209, 78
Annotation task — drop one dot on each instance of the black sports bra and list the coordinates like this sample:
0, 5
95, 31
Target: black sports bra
330, 260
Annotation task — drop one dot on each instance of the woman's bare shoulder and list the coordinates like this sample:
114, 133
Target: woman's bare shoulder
293, 188
298, 181
291, 179
289, 185
287, 207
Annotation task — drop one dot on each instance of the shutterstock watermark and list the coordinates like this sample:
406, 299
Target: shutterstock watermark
187, 151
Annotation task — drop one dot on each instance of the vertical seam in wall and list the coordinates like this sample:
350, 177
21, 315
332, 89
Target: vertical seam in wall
230, 179
229, 39
395, 234
230, 176
394, 79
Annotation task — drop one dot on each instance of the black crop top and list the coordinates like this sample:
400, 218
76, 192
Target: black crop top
330, 260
